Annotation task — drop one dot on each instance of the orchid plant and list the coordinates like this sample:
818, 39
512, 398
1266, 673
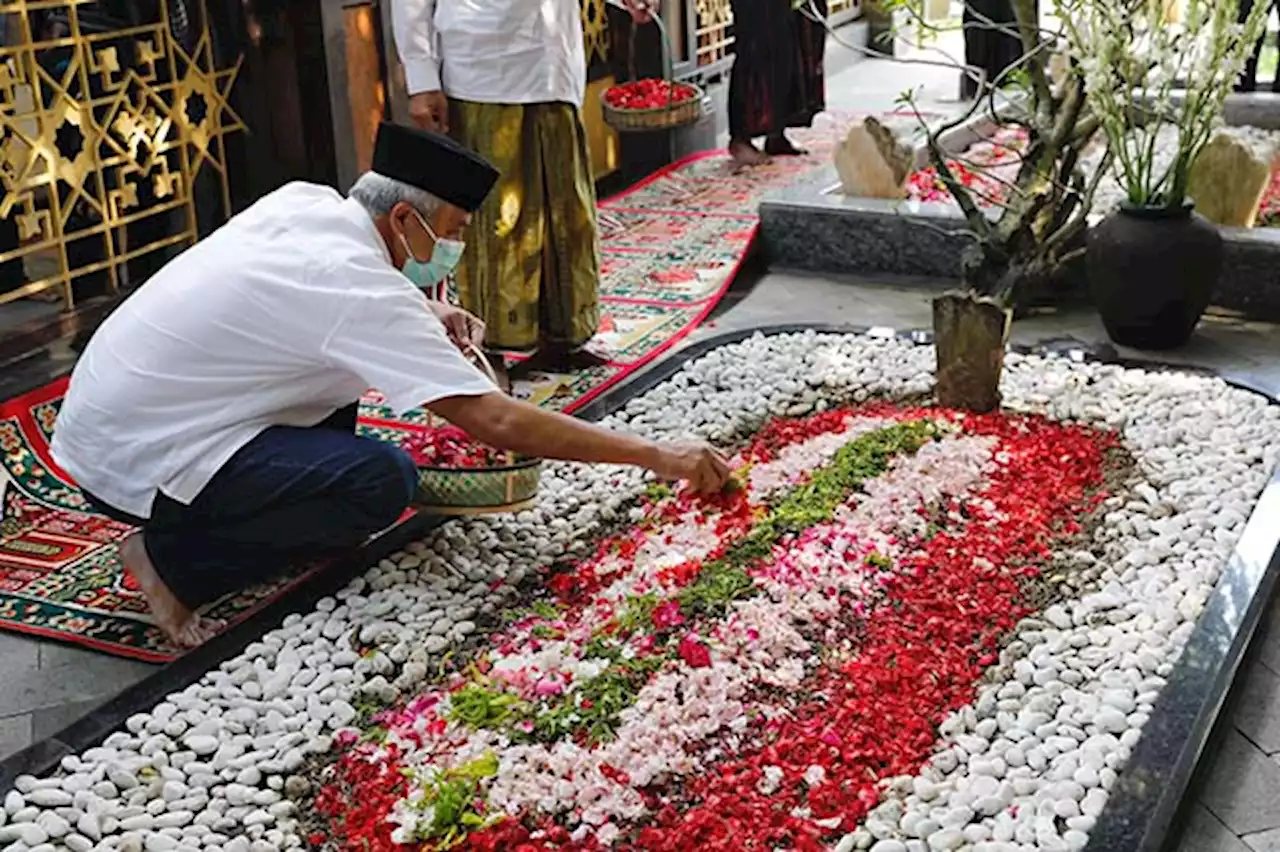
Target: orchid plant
1182, 72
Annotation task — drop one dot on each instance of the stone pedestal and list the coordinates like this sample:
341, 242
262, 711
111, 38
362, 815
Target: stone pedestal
813, 228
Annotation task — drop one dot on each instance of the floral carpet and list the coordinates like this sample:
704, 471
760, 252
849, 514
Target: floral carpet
671, 246
739, 672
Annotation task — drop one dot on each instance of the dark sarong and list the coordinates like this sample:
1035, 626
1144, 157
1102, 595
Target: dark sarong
776, 80
289, 496
989, 49
1249, 78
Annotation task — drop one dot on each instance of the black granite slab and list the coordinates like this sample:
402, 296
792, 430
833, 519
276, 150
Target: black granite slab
1144, 805
1250, 280
812, 227
1255, 109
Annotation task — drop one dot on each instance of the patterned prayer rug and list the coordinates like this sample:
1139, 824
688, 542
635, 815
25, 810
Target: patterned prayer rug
671, 246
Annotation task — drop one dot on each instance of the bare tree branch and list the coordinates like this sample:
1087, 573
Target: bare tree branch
975, 217
1025, 12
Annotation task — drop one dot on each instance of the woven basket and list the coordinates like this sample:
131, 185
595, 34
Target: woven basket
511, 487
674, 114
482, 491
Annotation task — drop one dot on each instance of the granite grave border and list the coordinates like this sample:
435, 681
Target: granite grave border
1145, 804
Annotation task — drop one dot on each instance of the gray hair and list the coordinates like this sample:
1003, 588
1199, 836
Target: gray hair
378, 194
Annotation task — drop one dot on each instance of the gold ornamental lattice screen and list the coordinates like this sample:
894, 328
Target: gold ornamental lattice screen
595, 31
103, 129
714, 30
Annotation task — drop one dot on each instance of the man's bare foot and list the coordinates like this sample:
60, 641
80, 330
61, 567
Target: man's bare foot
780, 146
553, 358
745, 154
184, 628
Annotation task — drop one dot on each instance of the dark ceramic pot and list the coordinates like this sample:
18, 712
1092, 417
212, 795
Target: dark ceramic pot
1152, 271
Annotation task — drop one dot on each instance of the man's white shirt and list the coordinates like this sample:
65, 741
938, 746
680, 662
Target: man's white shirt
287, 313
492, 51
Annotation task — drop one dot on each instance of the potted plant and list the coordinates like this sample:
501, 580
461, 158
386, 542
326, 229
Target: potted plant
1152, 264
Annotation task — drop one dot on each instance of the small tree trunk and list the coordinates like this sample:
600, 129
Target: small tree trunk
969, 334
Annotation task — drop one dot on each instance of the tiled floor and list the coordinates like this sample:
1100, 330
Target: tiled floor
1239, 794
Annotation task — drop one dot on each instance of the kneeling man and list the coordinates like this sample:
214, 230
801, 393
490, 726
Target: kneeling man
216, 408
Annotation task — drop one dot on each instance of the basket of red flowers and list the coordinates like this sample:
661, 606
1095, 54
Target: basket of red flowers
458, 475
651, 104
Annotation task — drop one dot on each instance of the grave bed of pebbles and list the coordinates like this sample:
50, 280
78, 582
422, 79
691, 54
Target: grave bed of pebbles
1022, 758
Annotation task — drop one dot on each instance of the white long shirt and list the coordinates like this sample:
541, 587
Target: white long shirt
283, 315
492, 51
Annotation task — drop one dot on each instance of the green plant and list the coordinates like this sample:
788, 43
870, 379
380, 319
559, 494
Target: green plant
1023, 238
447, 801
1125, 49
477, 706
1029, 235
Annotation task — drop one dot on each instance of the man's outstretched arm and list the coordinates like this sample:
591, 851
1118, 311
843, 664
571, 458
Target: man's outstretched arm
509, 424
396, 345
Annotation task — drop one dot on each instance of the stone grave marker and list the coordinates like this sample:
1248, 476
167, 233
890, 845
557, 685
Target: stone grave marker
872, 162
1227, 181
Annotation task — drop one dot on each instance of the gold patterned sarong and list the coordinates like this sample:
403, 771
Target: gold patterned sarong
531, 269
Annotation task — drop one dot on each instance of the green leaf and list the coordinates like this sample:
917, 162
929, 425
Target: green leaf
477, 706
485, 766
546, 609
656, 492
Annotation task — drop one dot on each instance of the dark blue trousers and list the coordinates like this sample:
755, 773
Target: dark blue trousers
289, 495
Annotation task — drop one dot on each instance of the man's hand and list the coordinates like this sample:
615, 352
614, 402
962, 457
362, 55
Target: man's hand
511, 424
702, 467
430, 111
466, 331
642, 11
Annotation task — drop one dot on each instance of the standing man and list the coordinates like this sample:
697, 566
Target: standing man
991, 43
506, 79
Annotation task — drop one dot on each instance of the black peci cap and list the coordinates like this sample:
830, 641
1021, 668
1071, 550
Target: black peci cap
434, 163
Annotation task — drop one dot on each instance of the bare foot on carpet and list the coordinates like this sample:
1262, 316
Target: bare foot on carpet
558, 359
745, 154
780, 146
184, 628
